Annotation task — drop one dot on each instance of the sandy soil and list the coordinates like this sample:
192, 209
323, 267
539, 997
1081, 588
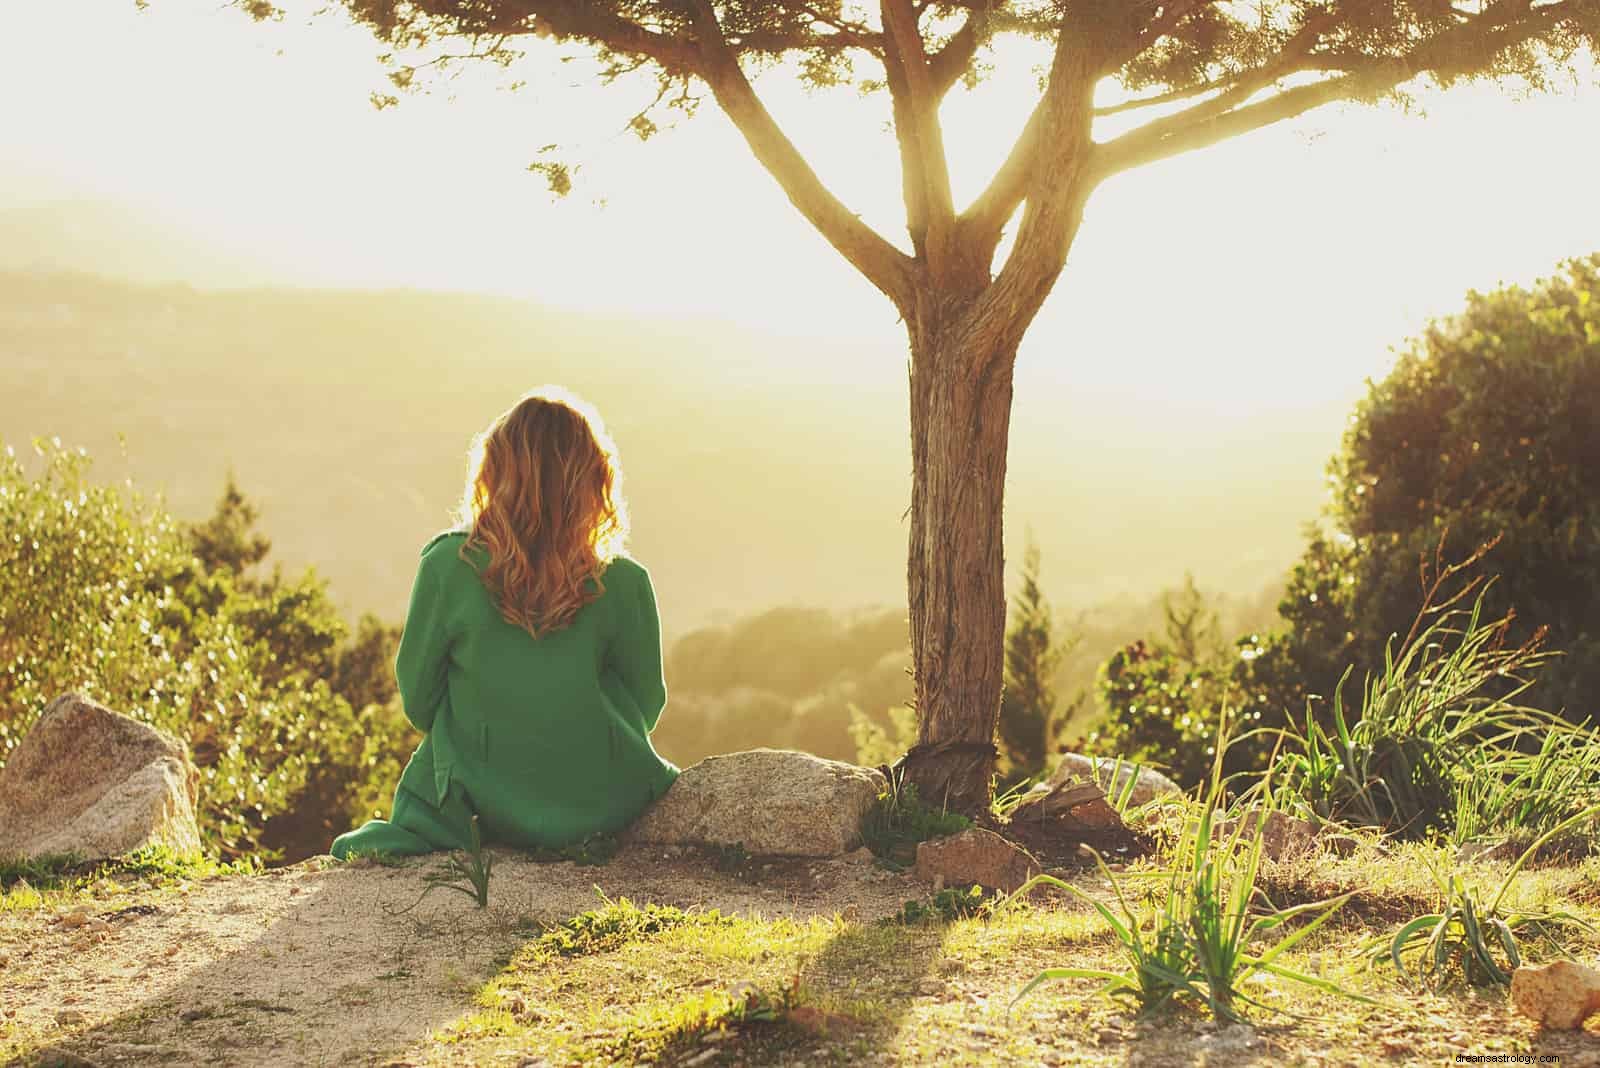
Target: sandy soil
311, 964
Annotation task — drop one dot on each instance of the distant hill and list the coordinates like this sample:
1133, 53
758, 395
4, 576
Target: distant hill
112, 240
758, 473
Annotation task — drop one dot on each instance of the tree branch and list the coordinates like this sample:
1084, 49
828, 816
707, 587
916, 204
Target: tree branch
1048, 169
1217, 120
884, 265
930, 208
947, 65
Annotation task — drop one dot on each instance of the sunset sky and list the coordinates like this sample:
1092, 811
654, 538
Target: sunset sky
1268, 275
1239, 276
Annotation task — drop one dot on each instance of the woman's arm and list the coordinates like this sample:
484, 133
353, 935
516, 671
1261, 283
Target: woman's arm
638, 651
421, 665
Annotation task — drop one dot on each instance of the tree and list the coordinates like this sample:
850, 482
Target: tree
1028, 704
1488, 427
1193, 629
1207, 71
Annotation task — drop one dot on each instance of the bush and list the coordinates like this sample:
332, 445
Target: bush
102, 591
1488, 426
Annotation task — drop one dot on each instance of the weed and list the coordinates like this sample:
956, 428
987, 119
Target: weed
946, 906
899, 820
467, 875
1197, 943
1479, 937
728, 859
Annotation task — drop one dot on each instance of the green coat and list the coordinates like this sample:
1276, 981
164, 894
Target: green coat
547, 740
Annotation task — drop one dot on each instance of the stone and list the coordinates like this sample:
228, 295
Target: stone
1282, 836
1148, 784
1560, 996
1071, 805
977, 856
772, 802
91, 782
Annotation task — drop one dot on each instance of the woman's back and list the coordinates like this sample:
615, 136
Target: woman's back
548, 736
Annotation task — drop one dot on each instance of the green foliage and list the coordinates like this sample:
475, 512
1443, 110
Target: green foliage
1193, 626
878, 746
899, 820
1439, 747
1474, 936
1488, 427
945, 906
1028, 702
101, 592
1160, 711
1207, 933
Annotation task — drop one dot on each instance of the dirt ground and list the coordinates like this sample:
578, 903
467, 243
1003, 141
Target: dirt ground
311, 964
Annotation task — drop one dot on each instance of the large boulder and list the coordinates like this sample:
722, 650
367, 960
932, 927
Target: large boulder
91, 782
1148, 784
773, 802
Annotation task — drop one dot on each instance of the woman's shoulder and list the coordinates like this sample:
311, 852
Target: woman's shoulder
625, 570
442, 553
455, 534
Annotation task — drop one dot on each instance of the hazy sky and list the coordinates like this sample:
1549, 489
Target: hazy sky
1270, 273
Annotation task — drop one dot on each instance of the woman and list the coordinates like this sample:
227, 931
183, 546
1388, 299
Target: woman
531, 657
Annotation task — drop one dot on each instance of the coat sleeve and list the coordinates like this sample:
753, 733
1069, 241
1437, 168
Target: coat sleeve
420, 667
638, 658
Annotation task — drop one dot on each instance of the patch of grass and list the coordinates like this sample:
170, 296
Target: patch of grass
616, 923
1439, 747
899, 820
759, 1021
35, 883
42, 871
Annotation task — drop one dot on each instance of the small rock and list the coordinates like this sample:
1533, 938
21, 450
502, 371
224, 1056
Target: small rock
74, 919
975, 856
1282, 835
1148, 783
1560, 996
71, 1017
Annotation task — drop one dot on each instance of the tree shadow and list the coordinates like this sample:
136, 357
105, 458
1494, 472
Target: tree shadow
336, 975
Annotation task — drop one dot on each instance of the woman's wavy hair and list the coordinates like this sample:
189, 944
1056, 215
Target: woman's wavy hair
544, 498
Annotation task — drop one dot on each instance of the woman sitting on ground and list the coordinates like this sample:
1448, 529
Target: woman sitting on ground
531, 656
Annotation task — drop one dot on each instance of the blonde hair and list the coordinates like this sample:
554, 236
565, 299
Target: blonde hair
543, 497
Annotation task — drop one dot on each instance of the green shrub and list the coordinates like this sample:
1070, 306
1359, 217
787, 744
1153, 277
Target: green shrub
103, 592
1161, 711
899, 820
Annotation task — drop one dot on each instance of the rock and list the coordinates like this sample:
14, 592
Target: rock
1560, 996
91, 782
1073, 805
975, 856
1148, 784
71, 1017
1282, 835
773, 802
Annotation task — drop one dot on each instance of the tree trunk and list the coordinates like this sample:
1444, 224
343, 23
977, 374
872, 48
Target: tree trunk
960, 421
